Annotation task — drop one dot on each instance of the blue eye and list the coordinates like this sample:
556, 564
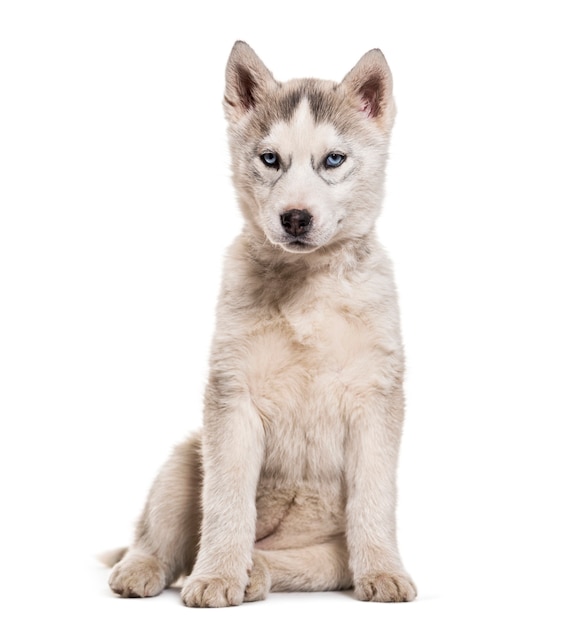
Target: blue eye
334, 159
270, 159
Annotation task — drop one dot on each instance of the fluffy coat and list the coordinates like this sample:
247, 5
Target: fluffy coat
291, 484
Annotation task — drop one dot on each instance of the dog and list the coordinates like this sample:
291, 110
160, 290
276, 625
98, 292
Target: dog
291, 483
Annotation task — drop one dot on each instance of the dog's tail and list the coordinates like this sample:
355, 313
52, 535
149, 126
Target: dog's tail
112, 557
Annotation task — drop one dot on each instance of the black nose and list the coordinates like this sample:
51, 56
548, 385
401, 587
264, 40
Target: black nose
296, 222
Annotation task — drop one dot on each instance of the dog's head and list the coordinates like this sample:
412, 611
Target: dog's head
308, 155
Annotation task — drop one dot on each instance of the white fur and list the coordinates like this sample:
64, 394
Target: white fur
304, 406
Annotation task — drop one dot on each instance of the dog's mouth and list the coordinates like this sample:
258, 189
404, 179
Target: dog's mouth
298, 246
297, 233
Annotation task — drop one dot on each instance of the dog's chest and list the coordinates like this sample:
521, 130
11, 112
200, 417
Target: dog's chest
305, 366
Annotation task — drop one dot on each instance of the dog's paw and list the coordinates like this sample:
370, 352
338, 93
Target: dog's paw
137, 576
259, 580
385, 587
212, 591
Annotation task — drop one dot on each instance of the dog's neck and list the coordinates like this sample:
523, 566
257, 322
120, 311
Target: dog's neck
267, 277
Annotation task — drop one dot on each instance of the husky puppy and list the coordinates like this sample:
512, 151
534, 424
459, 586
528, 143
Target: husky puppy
291, 484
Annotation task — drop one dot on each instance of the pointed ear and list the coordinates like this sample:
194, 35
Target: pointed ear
370, 80
247, 79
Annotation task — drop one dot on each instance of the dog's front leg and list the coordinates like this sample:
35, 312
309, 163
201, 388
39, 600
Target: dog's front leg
233, 452
372, 452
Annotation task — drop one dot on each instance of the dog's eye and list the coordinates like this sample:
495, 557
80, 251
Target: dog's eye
334, 159
270, 159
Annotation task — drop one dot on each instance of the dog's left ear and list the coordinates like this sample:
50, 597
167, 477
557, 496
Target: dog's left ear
247, 80
370, 80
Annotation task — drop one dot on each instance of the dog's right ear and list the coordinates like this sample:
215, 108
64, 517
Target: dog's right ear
247, 79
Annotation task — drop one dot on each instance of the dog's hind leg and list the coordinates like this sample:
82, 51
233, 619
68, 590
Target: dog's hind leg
321, 567
167, 534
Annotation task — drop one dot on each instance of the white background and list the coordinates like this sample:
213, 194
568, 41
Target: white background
116, 207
